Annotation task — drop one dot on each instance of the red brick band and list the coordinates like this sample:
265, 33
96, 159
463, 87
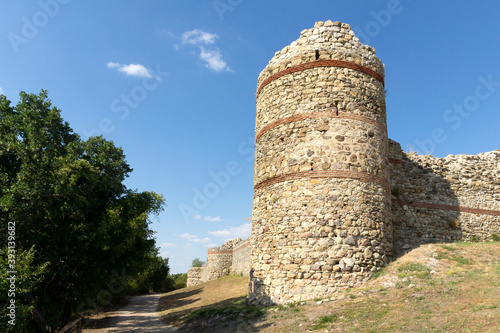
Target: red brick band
211, 251
320, 114
455, 208
361, 176
321, 63
214, 251
241, 247
395, 161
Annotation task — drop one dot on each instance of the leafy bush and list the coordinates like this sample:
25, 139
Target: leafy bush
180, 281
69, 204
197, 262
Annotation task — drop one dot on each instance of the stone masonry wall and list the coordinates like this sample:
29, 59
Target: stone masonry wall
321, 209
220, 259
333, 195
433, 200
231, 257
241, 258
444, 199
194, 276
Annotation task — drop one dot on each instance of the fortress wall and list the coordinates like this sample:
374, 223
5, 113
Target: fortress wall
195, 276
333, 195
204, 273
321, 209
241, 256
444, 199
433, 200
220, 259
232, 257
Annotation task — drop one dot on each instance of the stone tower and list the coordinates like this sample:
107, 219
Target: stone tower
321, 208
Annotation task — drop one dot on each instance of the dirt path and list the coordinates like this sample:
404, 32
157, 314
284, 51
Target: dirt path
139, 315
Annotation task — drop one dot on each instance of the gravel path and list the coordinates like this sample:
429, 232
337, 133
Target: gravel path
139, 315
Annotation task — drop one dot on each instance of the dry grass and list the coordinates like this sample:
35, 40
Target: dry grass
223, 298
435, 288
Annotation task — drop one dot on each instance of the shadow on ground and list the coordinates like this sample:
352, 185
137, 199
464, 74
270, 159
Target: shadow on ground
228, 315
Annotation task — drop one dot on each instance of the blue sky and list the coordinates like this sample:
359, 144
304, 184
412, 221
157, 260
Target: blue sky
173, 82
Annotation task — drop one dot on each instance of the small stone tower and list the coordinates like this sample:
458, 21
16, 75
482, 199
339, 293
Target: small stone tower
321, 208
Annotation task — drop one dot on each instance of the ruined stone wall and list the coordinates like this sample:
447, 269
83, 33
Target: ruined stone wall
195, 276
231, 257
241, 258
333, 196
220, 259
321, 209
444, 199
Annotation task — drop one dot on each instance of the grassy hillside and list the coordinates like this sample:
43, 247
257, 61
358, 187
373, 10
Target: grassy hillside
435, 288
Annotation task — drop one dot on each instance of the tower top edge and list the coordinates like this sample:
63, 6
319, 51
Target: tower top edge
331, 37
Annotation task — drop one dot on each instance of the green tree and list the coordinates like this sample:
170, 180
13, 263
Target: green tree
26, 278
71, 209
180, 281
153, 278
197, 262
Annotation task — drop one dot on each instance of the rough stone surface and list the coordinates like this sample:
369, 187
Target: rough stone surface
241, 256
230, 258
461, 182
333, 195
321, 170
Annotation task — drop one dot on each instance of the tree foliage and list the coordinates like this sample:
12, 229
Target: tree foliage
180, 280
77, 225
152, 279
197, 262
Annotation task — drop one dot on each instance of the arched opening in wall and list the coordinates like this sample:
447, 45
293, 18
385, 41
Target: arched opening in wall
317, 54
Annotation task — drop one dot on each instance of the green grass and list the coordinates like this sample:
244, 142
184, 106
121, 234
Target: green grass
458, 258
378, 274
462, 261
231, 312
496, 269
414, 269
324, 321
461, 295
477, 308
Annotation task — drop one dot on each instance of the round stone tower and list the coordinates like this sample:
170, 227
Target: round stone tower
321, 208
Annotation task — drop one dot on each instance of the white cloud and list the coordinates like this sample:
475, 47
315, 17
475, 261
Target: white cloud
212, 219
188, 236
200, 240
213, 59
242, 231
207, 218
112, 64
168, 245
136, 70
1, 91
197, 37
194, 239
210, 245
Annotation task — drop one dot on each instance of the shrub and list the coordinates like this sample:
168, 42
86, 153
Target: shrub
453, 224
396, 191
197, 262
180, 281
